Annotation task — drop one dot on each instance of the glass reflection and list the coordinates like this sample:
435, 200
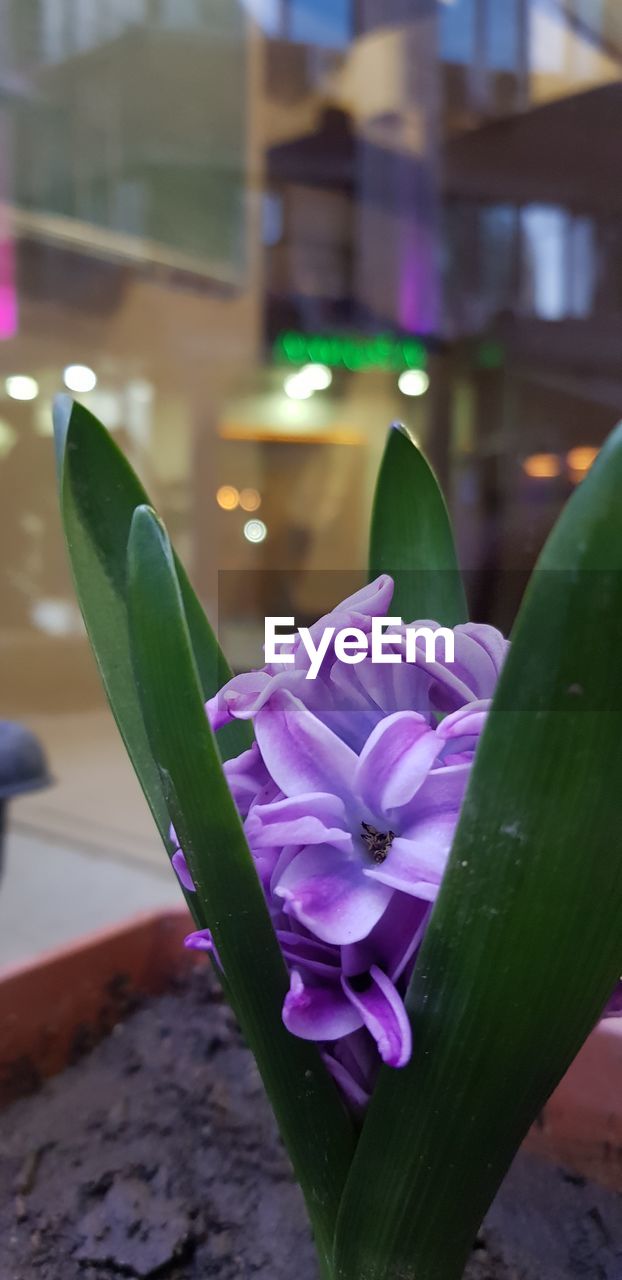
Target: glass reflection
250, 234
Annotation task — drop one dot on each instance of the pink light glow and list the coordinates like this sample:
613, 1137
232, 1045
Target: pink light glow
8, 293
419, 289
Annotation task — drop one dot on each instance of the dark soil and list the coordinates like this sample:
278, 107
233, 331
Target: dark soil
156, 1155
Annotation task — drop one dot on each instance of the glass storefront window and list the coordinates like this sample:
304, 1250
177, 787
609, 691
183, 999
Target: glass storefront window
199, 199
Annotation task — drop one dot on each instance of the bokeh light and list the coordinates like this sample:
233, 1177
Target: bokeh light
78, 377
413, 382
297, 387
227, 497
255, 531
317, 376
542, 466
581, 458
250, 500
19, 386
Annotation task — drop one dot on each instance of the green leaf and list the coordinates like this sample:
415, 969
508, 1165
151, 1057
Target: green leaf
524, 945
99, 493
411, 537
313, 1122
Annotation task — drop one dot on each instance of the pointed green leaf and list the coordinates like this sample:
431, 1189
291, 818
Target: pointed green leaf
411, 537
313, 1122
524, 946
99, 493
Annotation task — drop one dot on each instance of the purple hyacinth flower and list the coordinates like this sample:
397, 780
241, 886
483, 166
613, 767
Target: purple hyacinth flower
350, 797
337, 883
352, 700
244, 696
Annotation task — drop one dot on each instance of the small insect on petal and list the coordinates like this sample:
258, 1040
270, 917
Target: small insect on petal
378, 842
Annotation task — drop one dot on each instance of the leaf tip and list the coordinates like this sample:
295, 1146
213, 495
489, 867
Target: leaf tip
401, 429
62, 410
612, 444
145, 516
146, 526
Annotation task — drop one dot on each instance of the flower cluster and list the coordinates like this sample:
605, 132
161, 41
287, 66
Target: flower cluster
350, 797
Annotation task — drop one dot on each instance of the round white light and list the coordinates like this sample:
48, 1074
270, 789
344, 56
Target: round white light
255, 531
297, 387
316, 376
78, 377
413, 382
20, 387
56, 617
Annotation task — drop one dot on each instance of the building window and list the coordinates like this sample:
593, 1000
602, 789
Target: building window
457, 30
326, 23
272, 218
548, 33
267, 14
545, 240
582, 267
502, 35
498, 240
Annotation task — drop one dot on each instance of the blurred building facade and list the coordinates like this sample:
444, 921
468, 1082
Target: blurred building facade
201, 198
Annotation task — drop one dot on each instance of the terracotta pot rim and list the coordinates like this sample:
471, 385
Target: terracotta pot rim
83, 987
106, 934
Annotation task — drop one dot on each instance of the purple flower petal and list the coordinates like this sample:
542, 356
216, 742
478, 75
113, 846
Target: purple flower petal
394, 941
202, 940
495, 645
384, 1015
316, 818
467, 722
354, 1063
614, 1005
330, 894
372, 601
479, 654
248, 778
384, 687
416, 865
300, 752
318, 1012
304, 952
395, 761
356, 1096
443, 789
236, 697
286, 856
183, 871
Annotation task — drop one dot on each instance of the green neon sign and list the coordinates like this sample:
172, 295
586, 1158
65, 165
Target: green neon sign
384, 351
